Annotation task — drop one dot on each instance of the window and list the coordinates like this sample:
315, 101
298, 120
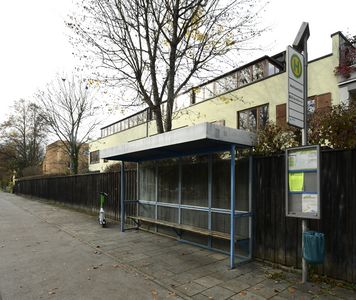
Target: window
245, 76
209, 91
199, 94
225, 84
310, 106
272, 69
94, 157
254, 118
258, 71
182, 101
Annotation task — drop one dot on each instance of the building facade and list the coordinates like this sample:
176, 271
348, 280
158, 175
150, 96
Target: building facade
244, 98
57, 162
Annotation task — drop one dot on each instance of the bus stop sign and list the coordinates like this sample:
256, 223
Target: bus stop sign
295, 104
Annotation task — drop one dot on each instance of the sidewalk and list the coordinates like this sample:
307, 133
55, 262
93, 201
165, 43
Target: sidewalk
50, 252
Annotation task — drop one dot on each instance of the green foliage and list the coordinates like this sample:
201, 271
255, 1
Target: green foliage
335, 128
274, 139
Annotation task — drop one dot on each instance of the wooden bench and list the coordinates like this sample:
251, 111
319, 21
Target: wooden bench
182, 227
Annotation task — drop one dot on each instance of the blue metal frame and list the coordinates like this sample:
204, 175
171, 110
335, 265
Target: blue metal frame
238, 213
122, 197
210, 195
232, 212
232, 206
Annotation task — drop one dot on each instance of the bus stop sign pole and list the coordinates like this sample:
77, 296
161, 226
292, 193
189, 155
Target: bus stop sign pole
301, 44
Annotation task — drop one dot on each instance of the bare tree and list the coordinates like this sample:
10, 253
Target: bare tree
22, 136
157, 47
69, 110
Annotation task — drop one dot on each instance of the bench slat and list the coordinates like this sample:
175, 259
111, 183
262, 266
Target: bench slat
202, 231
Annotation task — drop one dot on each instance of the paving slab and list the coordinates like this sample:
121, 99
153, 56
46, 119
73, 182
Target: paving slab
218, 293
235, 285
191, 288
247, 295
269, 288
208, 281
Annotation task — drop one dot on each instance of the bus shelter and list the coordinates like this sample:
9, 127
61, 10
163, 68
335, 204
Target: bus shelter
187, 182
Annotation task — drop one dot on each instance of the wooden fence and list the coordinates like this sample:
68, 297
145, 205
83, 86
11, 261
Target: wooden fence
277, 238
82, 191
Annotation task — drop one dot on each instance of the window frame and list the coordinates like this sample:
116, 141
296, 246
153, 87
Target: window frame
258, 125
91, 158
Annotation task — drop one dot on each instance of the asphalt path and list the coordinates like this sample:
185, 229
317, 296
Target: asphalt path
43, 260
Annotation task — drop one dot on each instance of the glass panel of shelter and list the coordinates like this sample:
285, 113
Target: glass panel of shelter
177, 191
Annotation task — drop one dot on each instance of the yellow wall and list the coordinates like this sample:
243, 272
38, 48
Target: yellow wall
112, 140
225, 107
272, 90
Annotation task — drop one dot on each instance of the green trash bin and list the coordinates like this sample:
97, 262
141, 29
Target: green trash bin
314, 247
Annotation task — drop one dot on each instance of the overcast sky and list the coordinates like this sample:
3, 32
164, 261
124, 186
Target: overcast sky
34, 43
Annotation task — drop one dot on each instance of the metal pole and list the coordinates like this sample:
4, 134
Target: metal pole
156, 195
210, 193
137, 188
122, 196
250, 178
180, 191
232, 207
305, 142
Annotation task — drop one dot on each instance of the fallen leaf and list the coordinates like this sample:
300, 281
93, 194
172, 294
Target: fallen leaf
243, 293
291, 290
154, 294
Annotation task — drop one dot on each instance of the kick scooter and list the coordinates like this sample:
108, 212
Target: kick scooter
102, 198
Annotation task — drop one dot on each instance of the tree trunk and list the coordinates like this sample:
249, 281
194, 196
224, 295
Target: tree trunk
168, 117
172, 67
74, 160
158, 117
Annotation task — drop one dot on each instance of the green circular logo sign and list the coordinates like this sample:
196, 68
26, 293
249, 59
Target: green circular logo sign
296, 66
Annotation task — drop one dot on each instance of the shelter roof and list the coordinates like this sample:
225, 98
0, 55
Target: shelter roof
199, 139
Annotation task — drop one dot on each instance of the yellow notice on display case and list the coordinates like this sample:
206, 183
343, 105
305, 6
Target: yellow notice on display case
296, 182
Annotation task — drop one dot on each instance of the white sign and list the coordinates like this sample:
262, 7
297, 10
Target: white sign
310, 203
295, 104
303, 160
